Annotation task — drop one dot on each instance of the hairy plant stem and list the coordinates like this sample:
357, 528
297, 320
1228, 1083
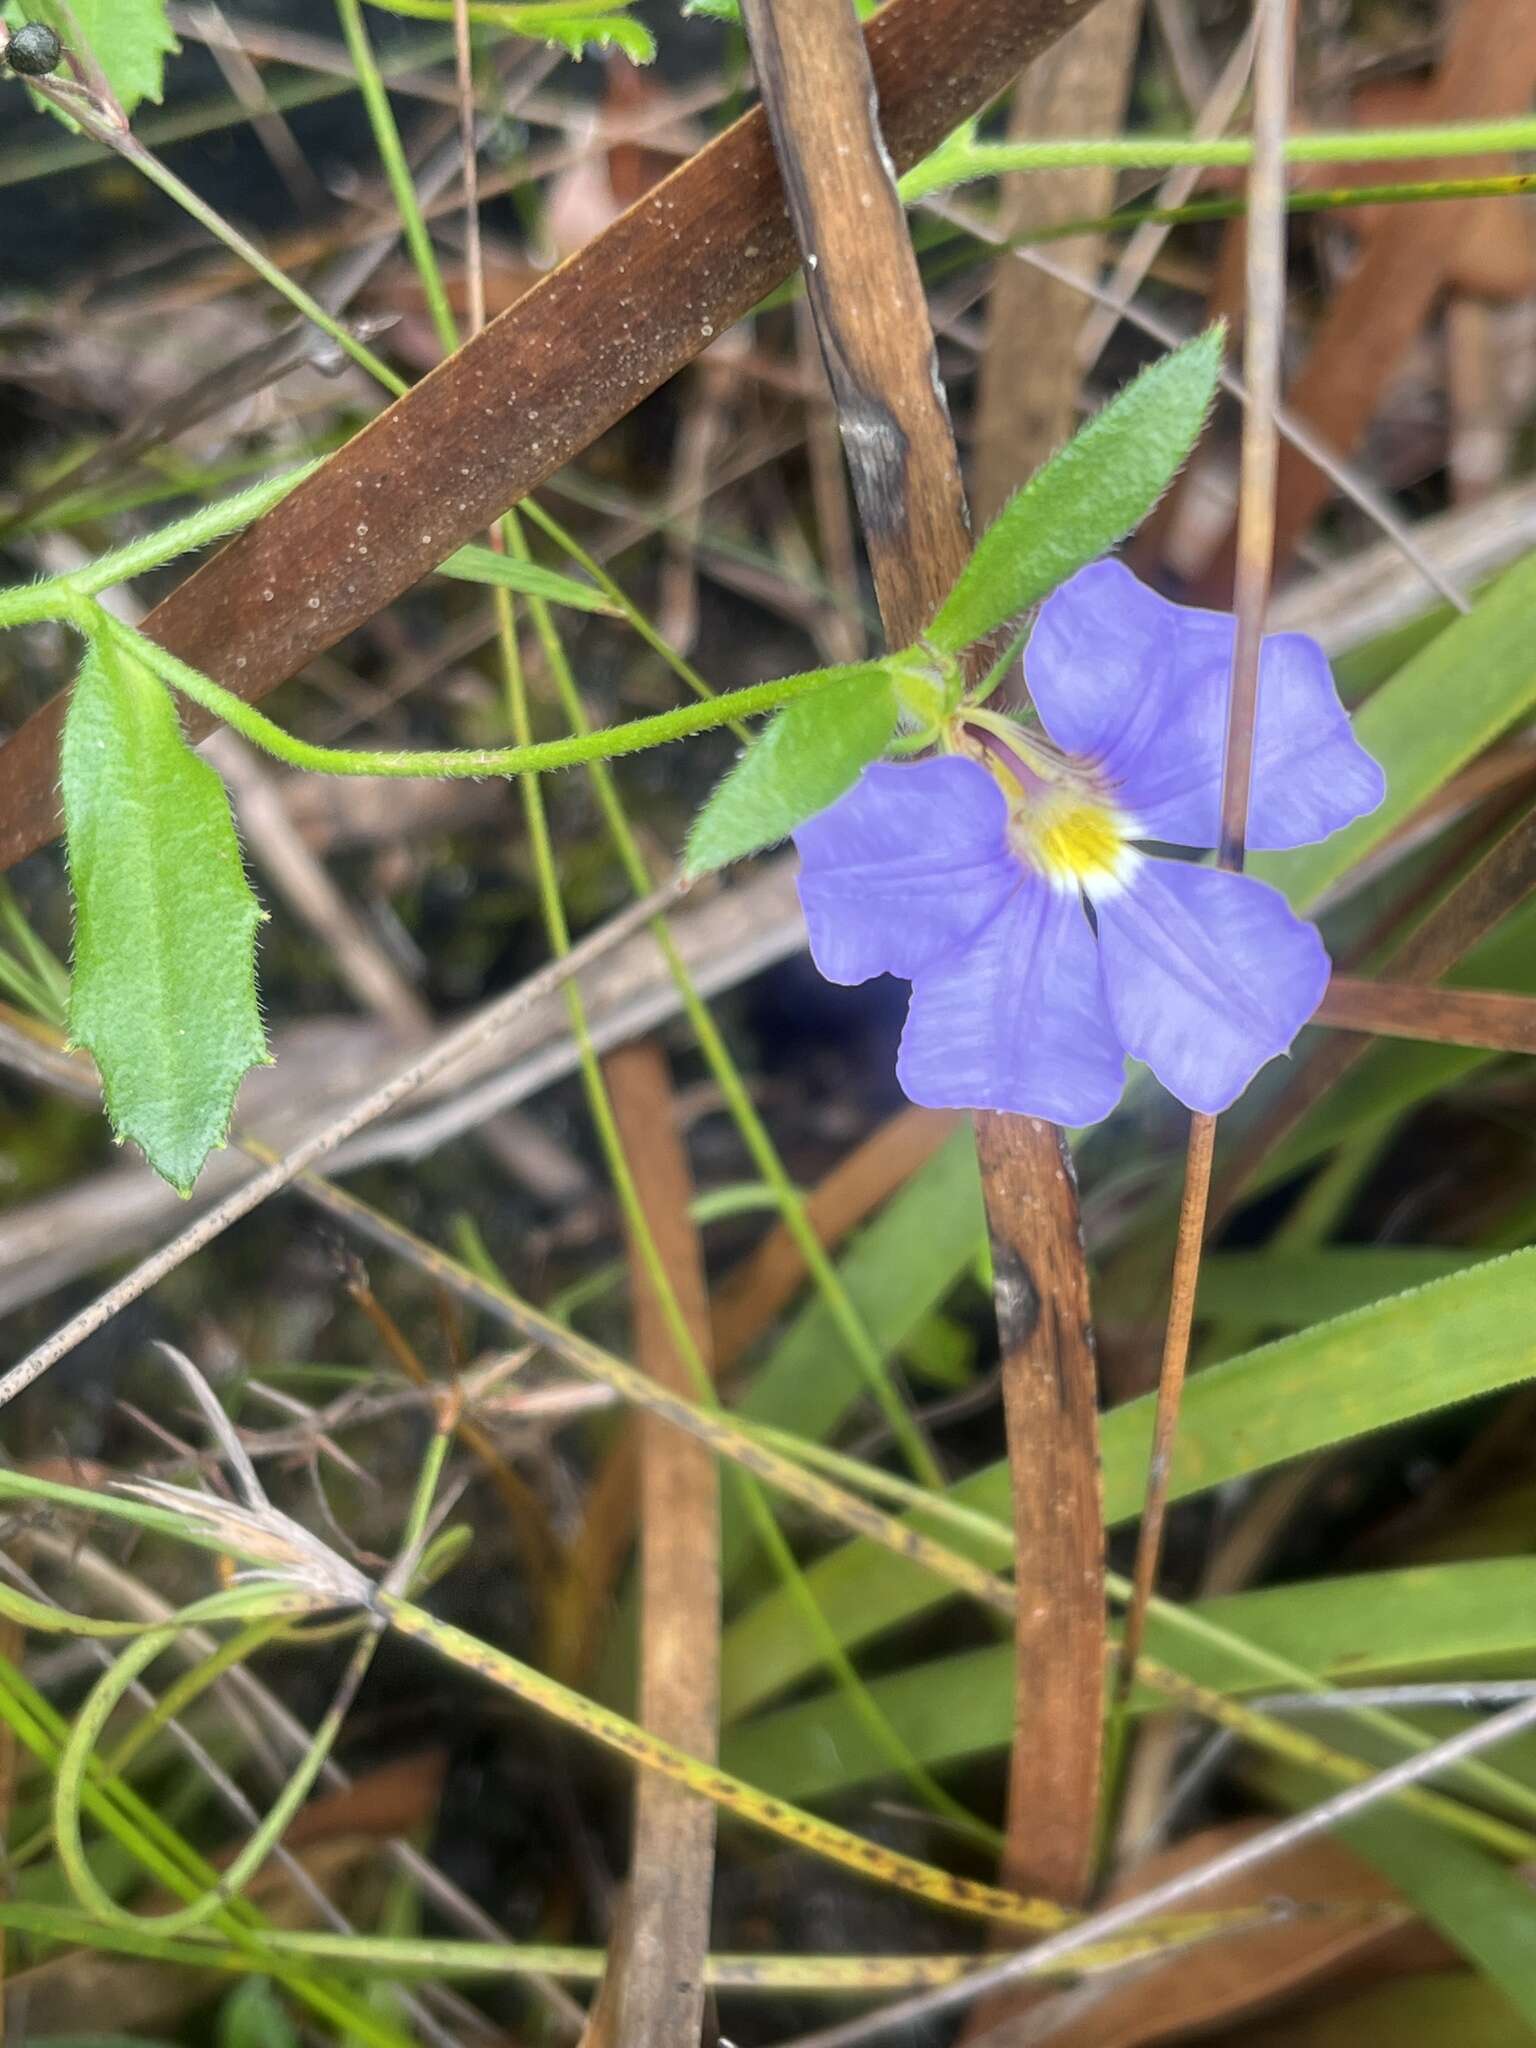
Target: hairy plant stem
633, 737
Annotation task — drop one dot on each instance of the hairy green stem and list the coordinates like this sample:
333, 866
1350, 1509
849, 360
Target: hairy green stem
633, 737
964, 159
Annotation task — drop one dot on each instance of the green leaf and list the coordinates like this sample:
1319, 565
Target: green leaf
164, 987
1477, 1903
129, 39
1088, 496
1466, 1335
476, 564
814, 750
1424, 1621
1472, 682
253, 2016
1446, 2009
577, 25
1291, 1290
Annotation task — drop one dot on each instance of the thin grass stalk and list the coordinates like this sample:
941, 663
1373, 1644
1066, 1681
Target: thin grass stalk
1256, 544
397, 171
763, 1520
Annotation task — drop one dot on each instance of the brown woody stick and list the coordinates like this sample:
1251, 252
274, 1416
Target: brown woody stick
872, 321
653, 1993
536, 387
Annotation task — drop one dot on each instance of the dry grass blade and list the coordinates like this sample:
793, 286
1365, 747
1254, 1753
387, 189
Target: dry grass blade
1489, 1018
1258, 1852
551, 374
1256, 537
652, 1995
1496, 885
906, 476
1346, 1918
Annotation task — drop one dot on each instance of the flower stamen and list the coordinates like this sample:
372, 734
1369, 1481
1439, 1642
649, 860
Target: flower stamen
1074, 840
1060, 821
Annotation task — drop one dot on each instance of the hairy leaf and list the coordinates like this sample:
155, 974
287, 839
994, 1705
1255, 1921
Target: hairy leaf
475, 564
129, 39
164, 987
812, 752
1088, 496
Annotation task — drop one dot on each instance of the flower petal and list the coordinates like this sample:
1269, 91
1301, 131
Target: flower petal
1140, 686
903, 869
1208, 976
1017, 1019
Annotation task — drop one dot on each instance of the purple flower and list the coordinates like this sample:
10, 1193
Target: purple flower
1041, 942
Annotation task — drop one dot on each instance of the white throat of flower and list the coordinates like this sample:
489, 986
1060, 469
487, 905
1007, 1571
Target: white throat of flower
1062, 821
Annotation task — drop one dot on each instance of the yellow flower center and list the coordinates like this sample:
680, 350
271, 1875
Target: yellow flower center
1061, 820
1076, 840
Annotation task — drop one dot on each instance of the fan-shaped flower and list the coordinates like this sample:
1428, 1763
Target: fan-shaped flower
1008, 884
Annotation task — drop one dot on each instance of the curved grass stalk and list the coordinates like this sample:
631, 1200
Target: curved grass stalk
90, 1723
154, 1844
190, 1687
37, 1614
272, 1607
